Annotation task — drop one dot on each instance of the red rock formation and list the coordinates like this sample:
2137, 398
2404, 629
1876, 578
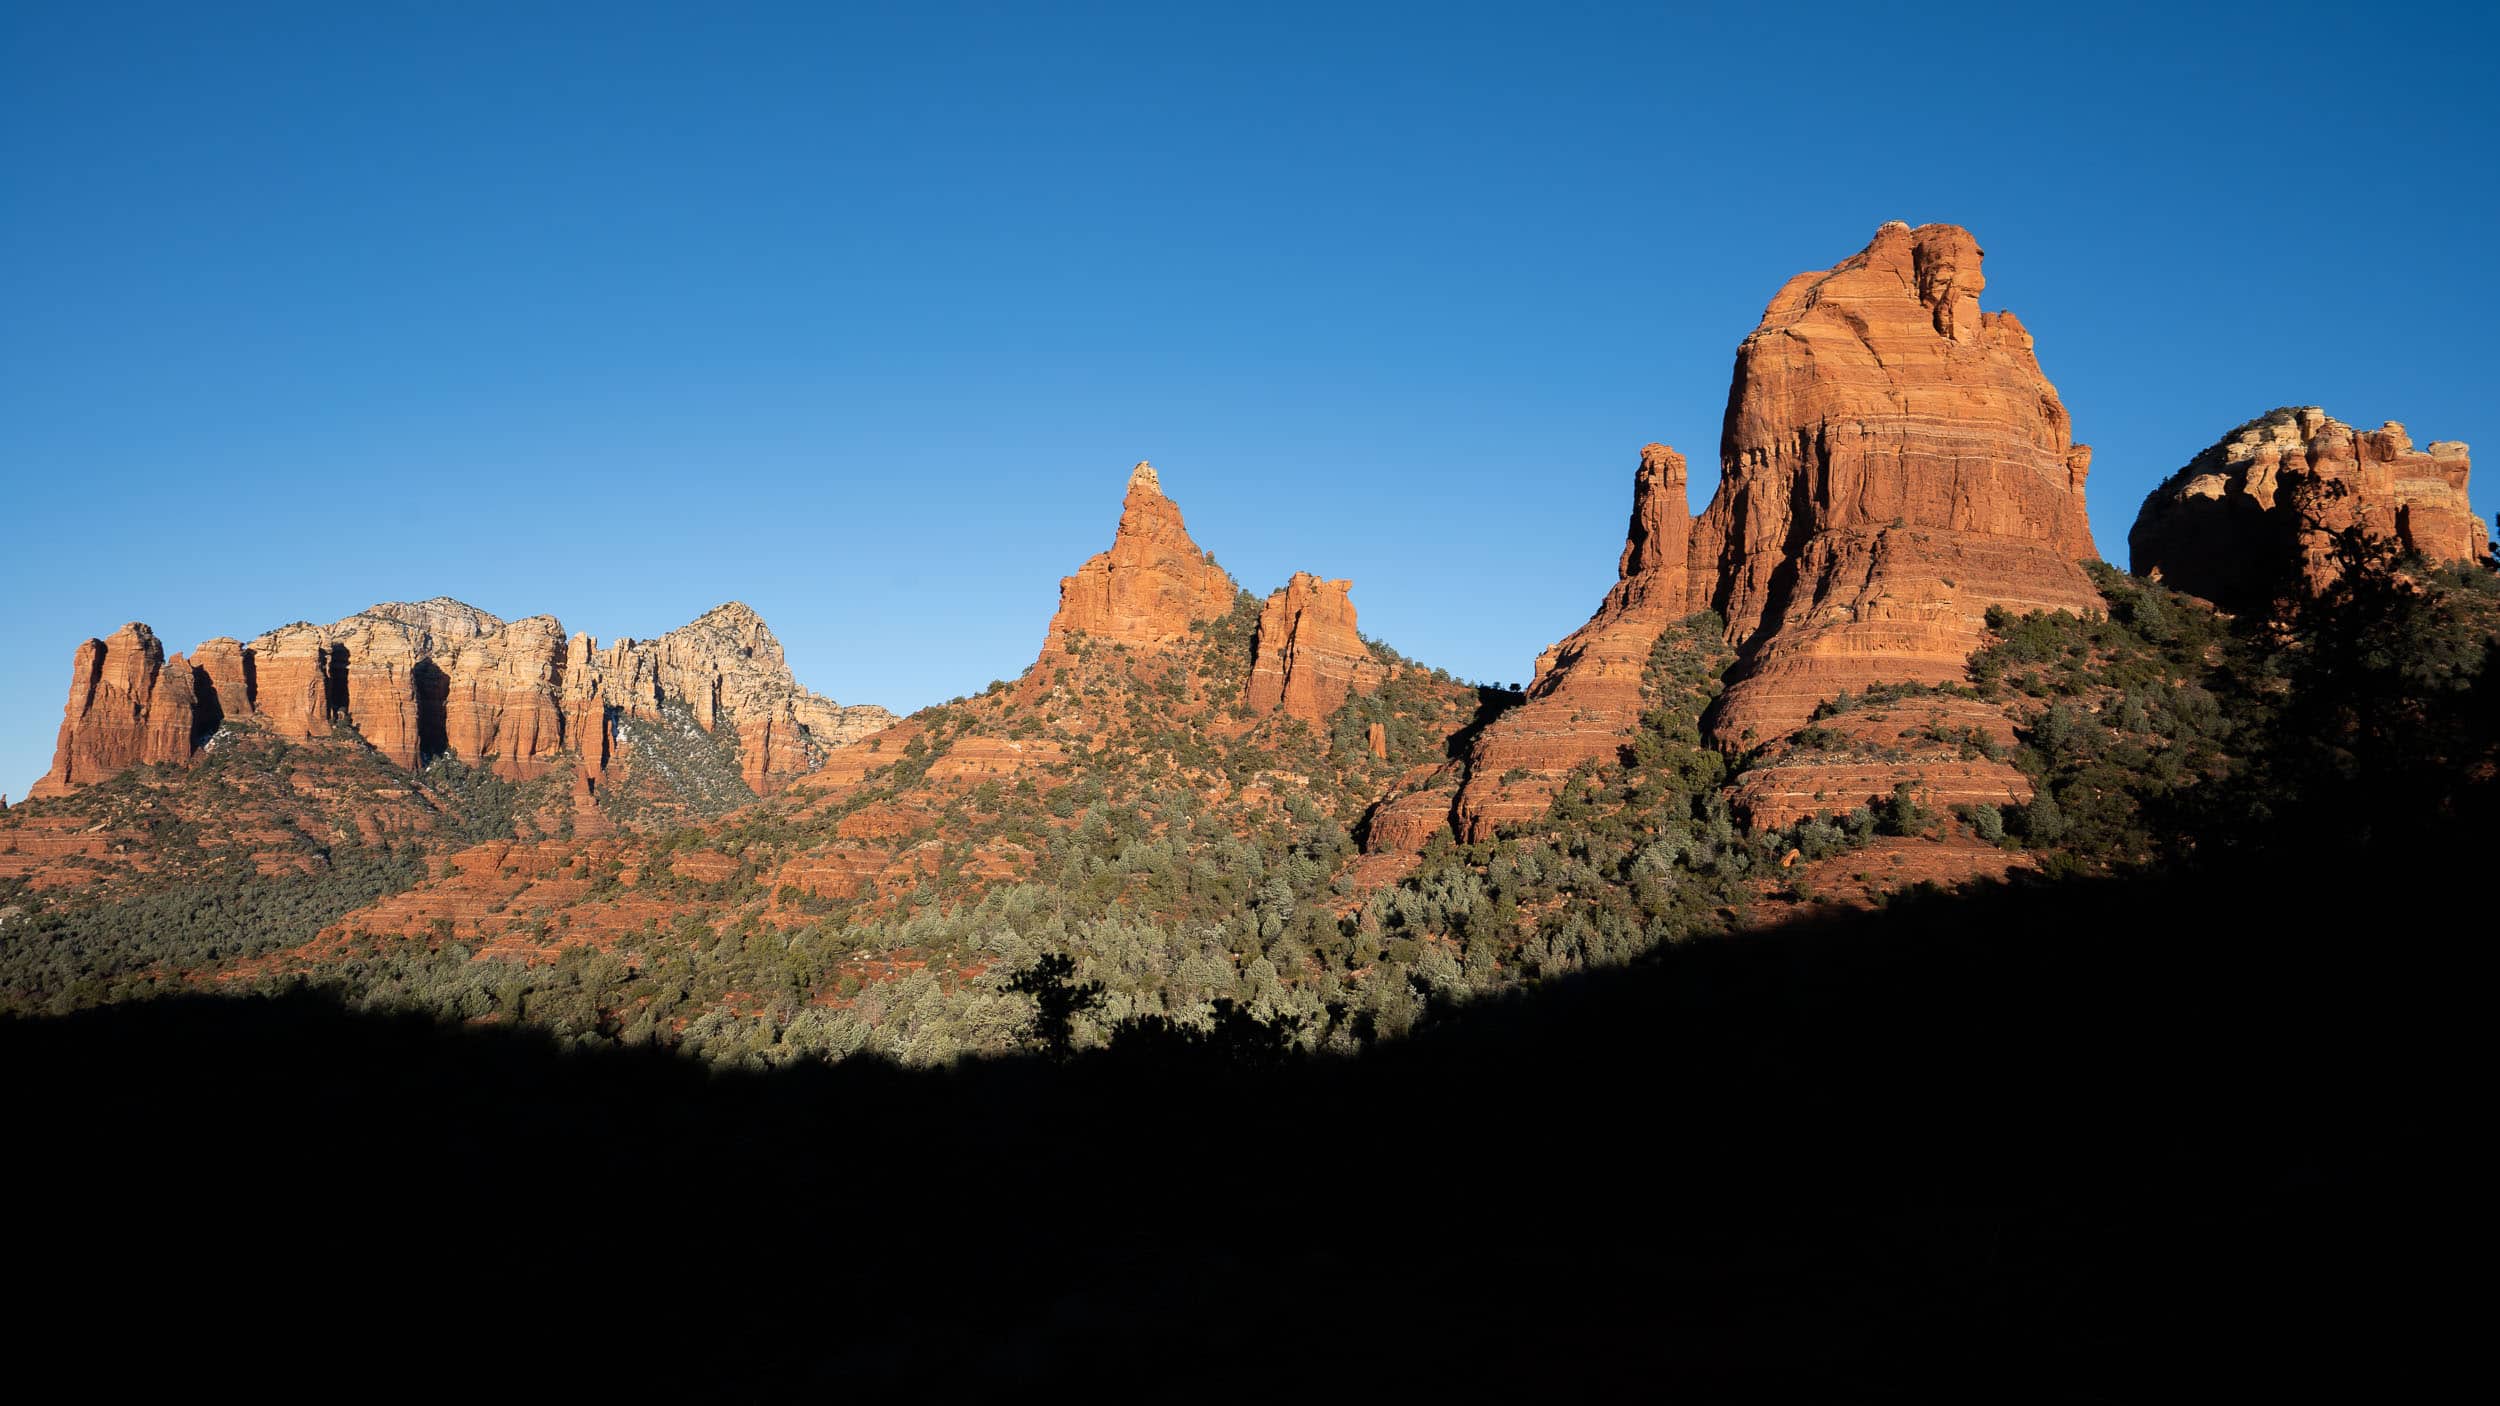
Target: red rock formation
128, 706
1308, 656
1857, 758
225, 680
1893, 463
438, 677
502, 701
772, 749
289, 682
1153, 583
172, 714
1586, 700
381, 667
586, 727
1416, 809
726, 668
2253, 518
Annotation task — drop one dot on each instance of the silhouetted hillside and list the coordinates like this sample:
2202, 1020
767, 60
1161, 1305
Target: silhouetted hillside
2093, 1140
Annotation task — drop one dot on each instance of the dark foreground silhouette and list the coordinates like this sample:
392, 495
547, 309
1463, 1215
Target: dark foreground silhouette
2096, 1141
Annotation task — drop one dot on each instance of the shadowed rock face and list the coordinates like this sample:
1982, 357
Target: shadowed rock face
1152, 584
1309, 656
437, 678
2253, 518
1586, 700
1893, 463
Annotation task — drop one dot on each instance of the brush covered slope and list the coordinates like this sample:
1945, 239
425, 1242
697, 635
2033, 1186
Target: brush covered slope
1154, 790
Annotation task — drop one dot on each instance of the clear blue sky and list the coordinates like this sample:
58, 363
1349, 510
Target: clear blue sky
860, 314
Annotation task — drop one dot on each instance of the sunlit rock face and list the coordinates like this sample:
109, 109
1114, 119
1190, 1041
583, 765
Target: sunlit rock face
434, 678
1309, 657
128, 706
1892, 464
2253, 518
1152, 584
1586, 700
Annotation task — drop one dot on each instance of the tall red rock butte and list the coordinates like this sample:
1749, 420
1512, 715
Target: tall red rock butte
1150, 586
1586, 698
1892, 464
1309, 657
129, 705
439, 678
2253, 518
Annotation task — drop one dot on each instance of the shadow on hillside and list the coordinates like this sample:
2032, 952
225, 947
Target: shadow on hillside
1491, 703
2099, 1141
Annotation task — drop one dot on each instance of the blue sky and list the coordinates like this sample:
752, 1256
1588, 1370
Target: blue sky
861, 314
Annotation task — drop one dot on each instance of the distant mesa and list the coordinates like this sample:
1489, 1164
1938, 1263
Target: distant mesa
2252, 520
432, 678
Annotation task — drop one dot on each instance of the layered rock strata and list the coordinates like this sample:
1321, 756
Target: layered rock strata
128, 706
1892, 464
1586, 699
1150, 586
439, 678
2253, 519
1309, 657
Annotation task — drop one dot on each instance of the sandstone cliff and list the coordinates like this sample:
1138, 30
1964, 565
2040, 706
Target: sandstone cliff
2253, 518
1892, 464
1308, 656
439, 678
378, 667
1586, 699
225, 681
503, 698
128, 706
726, 669
1152, 584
